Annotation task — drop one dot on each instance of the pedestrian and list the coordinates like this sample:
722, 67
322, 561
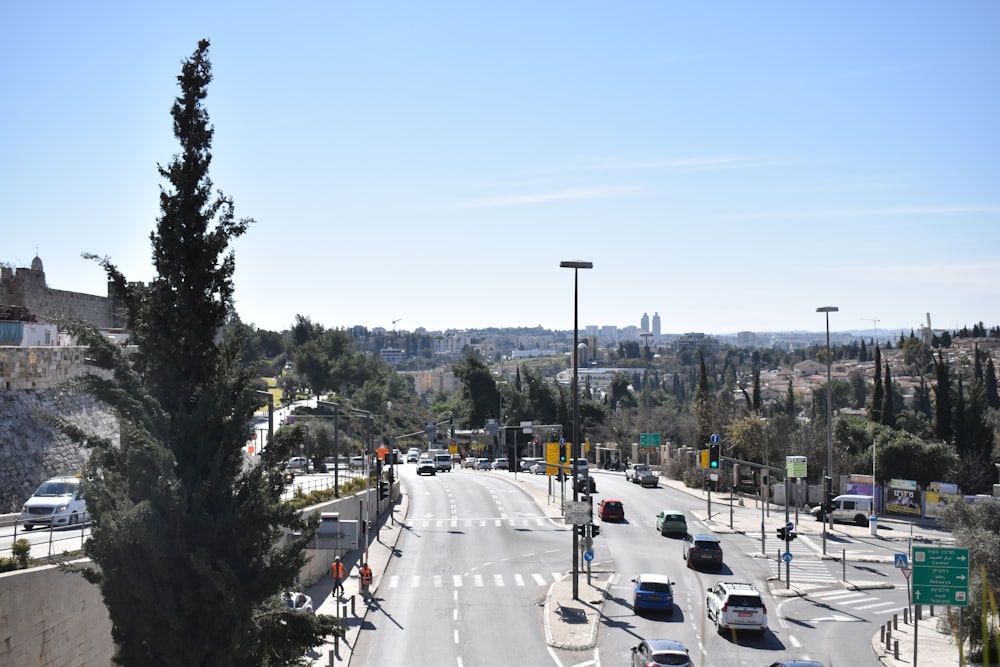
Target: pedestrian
365, 575
337, 572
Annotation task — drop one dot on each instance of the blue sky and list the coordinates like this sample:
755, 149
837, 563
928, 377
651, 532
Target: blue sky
731, 166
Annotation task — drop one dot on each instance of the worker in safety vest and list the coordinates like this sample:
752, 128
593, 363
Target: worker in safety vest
365, 575
337, 572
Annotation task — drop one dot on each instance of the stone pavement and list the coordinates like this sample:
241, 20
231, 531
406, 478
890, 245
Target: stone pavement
572, 623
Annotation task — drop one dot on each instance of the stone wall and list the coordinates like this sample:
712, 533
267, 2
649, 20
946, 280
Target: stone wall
44, 367
26, 287
53, 618
32, 450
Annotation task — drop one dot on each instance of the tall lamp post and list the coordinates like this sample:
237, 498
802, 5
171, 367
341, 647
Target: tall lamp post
576, 265
829, 406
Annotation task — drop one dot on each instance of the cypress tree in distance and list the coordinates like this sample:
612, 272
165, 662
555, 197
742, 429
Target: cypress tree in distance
190, 541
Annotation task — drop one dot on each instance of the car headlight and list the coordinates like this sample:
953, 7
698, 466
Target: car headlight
62, 508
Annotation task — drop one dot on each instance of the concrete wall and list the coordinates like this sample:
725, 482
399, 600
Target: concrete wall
52, 618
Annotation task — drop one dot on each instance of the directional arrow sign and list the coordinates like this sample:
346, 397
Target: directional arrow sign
940, 576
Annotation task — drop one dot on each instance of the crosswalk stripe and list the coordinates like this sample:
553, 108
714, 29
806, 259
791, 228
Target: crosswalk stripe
477, 579
416, 581
456, 580
393, 581
437, 581
539, 579
454, 523
498, 522
873, 606
518, 580
498, 580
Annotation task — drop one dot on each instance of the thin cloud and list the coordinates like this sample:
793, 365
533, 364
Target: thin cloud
574, 194
881, 212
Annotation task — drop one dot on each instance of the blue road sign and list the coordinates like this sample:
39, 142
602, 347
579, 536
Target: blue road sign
588, 556
901, 561
787, 556
715, 438
790, 527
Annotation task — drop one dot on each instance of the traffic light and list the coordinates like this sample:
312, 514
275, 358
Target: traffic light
782, 535
789, 536
562, 452
581, 529
828, 495
383, 490
713, 456
595, 530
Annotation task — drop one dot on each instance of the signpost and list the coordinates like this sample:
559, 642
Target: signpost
940, 577
577, 513
649, 439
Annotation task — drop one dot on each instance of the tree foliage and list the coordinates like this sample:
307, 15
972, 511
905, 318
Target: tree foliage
189, 539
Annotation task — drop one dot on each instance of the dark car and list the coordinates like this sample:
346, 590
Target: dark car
586, 484
653, 592
611, 510
659, 652
702, 550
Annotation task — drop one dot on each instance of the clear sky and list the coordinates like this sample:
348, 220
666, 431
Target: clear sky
729, 165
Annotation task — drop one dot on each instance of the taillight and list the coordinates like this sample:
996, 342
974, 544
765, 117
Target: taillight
763, 608
725, 606
652, 664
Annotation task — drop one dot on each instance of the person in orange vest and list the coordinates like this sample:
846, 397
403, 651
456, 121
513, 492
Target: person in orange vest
365, 574
337, 572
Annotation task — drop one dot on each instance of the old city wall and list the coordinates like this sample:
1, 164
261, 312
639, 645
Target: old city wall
31, 449
26, 287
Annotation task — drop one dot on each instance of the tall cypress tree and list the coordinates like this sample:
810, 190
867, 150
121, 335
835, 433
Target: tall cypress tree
888, 415
942, 400
189, 540
990, 381
878, 395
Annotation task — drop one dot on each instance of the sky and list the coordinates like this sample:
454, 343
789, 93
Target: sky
729, 165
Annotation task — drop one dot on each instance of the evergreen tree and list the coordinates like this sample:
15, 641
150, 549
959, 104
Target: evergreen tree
191, 544
863, 355
942, 400
888, 410
756, 401
878, 392
990, 382
922, 402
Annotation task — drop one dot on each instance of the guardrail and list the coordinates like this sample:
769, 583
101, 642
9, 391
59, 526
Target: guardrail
57, 543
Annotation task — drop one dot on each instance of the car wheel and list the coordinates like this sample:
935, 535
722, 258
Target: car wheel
861, 520
663, 533
74, 519
762, 632
28, 526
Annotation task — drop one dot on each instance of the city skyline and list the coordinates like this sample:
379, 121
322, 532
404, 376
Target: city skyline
430, 166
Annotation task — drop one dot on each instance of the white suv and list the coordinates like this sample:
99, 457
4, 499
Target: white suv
736, 606
57, 502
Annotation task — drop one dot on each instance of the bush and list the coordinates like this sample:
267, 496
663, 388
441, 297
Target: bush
21, 552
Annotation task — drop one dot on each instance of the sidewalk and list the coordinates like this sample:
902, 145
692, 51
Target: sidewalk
350, 606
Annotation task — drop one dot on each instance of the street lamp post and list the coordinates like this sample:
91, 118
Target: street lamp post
576, 265
829, 405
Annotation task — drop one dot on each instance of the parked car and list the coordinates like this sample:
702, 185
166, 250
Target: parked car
611, 510
525, 463
483, 464
299, 463
57, 502
470, 462
501, 464
735, 605
702, 549
671, 522
796, 663
653, 592
847, 509
299, 602
586, 484
660, 653
357, 462
539, 468
426, 467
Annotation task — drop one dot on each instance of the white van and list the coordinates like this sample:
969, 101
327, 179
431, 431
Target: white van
57, 502
848, 509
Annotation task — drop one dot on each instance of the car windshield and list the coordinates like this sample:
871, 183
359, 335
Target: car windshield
670, 658
56, 489
655, 587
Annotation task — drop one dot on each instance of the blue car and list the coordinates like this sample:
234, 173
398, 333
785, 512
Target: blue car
653, 592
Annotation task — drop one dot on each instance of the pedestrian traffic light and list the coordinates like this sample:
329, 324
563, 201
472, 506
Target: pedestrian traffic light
581, 529
789, 536
713, 456
595, 530
782, 535
562, 452
383, 490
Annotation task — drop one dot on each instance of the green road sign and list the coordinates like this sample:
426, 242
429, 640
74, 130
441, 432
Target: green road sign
649, 439
940, 576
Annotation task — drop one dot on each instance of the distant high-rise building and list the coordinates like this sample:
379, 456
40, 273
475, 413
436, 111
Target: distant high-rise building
644, 322
656, 326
